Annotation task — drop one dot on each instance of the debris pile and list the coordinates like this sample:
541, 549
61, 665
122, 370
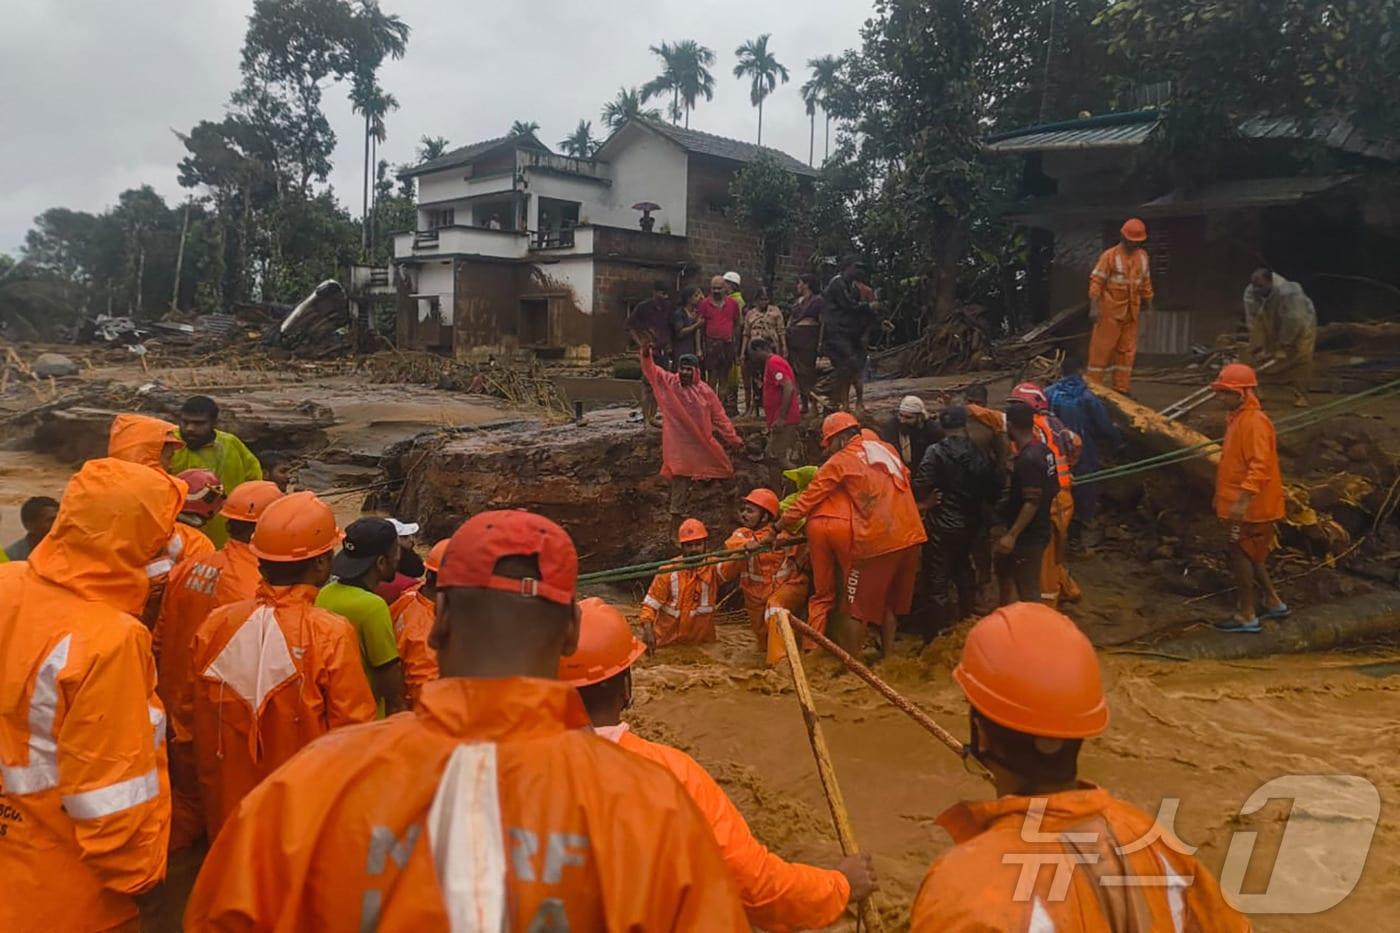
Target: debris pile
521, 385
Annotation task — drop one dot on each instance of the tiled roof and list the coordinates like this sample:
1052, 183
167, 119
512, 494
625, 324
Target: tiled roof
722, 147
466, 154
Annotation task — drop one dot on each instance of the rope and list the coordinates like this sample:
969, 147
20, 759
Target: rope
643, 571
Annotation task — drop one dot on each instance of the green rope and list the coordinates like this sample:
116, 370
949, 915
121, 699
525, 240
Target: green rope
642, 571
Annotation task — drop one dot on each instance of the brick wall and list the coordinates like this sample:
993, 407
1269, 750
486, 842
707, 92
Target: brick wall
718, 243
617, 287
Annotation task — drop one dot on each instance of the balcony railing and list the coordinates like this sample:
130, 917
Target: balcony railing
471, 241
568, 165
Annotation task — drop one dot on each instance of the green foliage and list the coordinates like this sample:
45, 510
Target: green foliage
524, 128
765, 199
627, 105
432, 147
35, 304
685, 75
758, 63
580, 143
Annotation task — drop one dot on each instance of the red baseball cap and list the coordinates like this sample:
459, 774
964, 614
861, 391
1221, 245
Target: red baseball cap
486, 538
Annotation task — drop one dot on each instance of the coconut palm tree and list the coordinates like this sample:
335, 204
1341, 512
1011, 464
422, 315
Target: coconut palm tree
820, 88
431, 147
627, 105
685, 74
524, 128
758, 64
580, 143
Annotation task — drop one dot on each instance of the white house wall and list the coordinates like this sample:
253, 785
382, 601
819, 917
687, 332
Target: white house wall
451, 184
435, 278
575, 274
648, 168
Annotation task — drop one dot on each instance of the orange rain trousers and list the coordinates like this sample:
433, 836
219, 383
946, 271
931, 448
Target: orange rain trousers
563, 829
1121, 281
778, 896
272, 673
1127, 873
1057, 586
85, 821
770, 580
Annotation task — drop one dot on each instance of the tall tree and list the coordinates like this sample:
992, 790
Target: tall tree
758, 63
685, 75
373, 36
432, 147
627, 105
765, 199
818, 90
524, 128
580, 143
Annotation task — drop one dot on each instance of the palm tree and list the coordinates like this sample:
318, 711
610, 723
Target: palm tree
627, 105
758, 64
524, 128
820, 88
685, 73
432, 147
580, 143
811, 97
369, 99
375, 36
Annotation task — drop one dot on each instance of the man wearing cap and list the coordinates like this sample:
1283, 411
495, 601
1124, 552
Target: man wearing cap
1248, 497
680, 603
691, 417
273, 672
955, 484
491, 806
886, 528
413, 614
777, 895
1051, 851
197, 587
1120, 288
771, 579
409, 572
910, 431
368, 555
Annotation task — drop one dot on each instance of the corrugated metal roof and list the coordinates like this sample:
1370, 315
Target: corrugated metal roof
1245, 193
1096, 137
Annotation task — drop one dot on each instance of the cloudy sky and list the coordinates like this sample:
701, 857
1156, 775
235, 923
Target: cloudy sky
93, 90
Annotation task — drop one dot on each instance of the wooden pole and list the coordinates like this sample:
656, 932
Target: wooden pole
889, 693
869, 916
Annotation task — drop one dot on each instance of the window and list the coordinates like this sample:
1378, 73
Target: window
441, 217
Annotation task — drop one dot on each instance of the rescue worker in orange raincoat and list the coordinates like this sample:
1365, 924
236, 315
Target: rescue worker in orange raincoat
1248, 497
680, 603
273, 672
770, 579
152, 442
887, 529
1057, 585
1032, 681
1120, 289
413, 621
491, 805
778, 895
196, 588
84, 798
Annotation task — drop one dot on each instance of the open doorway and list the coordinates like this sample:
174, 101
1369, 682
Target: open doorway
534, 323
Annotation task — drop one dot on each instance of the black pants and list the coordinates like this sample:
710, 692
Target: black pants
1022, 568
948, 565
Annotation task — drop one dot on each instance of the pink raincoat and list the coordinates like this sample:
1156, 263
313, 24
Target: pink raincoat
690, 418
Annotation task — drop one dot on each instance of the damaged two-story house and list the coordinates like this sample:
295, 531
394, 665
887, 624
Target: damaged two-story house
521, 251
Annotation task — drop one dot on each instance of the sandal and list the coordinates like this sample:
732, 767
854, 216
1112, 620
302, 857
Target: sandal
1245, 626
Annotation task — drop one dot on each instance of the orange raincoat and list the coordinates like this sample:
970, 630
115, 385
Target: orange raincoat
84, 800
690, 418
770, 580
973, 886
413, 615
1249, 463
490, 806
778, 896
1121, 281
274, 673
680, 603
196, 588
884, 515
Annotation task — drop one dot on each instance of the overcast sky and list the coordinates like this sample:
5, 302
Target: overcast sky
92, 90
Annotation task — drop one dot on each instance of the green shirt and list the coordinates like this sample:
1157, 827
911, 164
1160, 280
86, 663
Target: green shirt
369, 614
231, 461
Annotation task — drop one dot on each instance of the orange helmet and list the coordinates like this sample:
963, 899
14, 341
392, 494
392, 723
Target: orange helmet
205, 496
606, 645
1134, 230
1030, 394
247, 501
692, 529
434, 559
1236, 377
835, 423
1029, 668
295, 527
765, 499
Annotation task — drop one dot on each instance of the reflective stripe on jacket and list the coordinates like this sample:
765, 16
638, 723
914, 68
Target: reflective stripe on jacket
763, 572
680, 603
1121, 282
491, 806
86, 819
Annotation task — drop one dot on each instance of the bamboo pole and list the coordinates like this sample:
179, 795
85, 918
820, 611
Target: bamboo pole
889, 693
869, 916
